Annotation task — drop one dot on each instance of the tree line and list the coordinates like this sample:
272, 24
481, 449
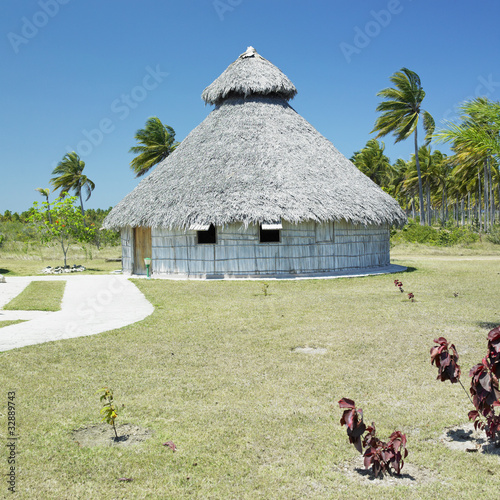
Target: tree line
464, 186
430, 186
64, 219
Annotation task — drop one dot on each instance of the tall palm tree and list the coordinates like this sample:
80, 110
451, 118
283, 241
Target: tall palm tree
431, 171
45, 192
157, 141
401, 111
69, 177
372, 161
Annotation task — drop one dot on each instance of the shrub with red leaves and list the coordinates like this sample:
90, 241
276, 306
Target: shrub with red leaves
378, 455
494, 350
353, 420
446, 358
399, 284
484, 387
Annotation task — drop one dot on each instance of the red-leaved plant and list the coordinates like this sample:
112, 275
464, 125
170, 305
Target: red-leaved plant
445, 357
484, 381
399, 284
378, 455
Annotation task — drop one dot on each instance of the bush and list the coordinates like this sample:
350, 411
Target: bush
444, 236
494, 235
484, 387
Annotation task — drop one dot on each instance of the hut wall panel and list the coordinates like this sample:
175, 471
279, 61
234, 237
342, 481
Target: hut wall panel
127, 249
304, 248
324, 232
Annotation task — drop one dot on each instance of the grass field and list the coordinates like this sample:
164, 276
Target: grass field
213, 369
26, 259
10, 322
39, 296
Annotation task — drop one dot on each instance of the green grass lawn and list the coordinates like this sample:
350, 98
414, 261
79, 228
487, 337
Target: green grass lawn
213, 370
9, 322
39, 296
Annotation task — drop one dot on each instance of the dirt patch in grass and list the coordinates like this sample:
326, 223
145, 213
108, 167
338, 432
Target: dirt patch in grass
411, 475
104, 435
309, 350
466, 438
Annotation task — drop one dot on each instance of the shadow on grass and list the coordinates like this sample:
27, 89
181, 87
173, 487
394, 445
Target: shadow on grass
410, 269
4, 271
487, 326
368, 474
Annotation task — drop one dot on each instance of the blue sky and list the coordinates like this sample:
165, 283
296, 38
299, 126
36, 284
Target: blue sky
85, 75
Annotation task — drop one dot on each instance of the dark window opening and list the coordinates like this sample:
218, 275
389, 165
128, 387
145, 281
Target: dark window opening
206, 237
269, 235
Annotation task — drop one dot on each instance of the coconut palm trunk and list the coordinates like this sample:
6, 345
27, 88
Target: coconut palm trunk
420, 187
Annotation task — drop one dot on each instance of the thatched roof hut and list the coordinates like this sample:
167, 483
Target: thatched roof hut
253, 160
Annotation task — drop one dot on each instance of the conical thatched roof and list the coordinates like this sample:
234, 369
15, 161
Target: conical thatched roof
253, 159
250, 74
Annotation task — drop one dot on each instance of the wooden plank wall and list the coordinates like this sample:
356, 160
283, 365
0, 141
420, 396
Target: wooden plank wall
142, 248
304, 248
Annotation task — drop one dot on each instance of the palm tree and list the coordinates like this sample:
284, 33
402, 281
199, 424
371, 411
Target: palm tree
431, 174
397, 189
69, 177
45, 192
157, 142
476, 144
401, 111
372, 161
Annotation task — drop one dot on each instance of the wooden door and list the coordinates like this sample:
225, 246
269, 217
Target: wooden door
142, 249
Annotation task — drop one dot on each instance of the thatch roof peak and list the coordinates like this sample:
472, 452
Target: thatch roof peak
250, 74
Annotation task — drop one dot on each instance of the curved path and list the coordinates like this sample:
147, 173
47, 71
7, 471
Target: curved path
90, 305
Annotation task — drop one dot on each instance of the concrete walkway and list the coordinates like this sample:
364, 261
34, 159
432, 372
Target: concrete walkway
90, 305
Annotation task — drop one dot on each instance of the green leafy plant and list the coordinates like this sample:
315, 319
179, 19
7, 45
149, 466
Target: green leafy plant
380, 456
428, 235
108, 410
65, 225
494, 235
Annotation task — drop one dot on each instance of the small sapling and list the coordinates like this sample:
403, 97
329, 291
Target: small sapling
108, 410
